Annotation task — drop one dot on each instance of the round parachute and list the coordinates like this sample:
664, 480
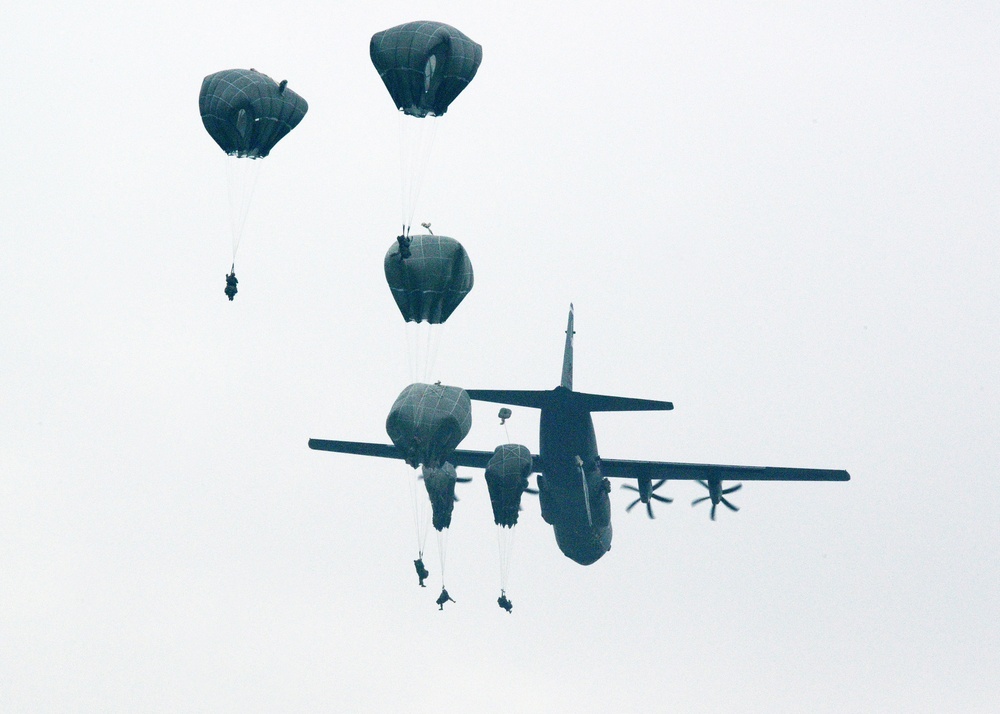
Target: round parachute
428, 421
429, 284
506, 477
424, 65
247, 112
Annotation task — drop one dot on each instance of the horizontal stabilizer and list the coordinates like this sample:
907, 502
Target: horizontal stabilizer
459, 457
560, 396
624, 468
602, 403
537, 399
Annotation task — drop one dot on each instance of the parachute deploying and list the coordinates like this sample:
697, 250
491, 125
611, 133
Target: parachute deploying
431, 282
424, 65
247, 112
440, 484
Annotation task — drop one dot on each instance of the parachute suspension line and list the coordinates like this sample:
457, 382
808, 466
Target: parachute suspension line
421, 517
431, 351
428, 355
411, 349
241, 177
415, 341
416, 139
422, 346
505, 549
442, 540
403, 172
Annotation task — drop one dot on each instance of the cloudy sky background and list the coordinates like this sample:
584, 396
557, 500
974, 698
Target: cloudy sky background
783, 219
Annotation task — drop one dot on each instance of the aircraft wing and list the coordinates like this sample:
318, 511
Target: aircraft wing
624, 468
459, 457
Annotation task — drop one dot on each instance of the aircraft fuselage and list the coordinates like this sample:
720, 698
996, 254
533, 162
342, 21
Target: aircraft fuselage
572, 492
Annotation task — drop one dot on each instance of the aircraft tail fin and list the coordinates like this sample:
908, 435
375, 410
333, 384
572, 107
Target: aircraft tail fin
567, 368
563, 395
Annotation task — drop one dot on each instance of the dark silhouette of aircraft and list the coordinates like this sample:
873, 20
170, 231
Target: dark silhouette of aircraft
573, 484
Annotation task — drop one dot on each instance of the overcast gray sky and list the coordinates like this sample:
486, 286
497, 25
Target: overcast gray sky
782, 218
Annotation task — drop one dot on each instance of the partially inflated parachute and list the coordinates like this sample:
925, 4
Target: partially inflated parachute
247, 112
440, 484
429, 284
424, 65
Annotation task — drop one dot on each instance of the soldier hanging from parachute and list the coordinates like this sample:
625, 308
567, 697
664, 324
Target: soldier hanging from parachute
507, 478
424, 66
427, 422
246, 113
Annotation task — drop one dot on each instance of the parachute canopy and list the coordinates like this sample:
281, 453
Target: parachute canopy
507, 476
428, 421
440, 484
429, 284
424, 65
247, 112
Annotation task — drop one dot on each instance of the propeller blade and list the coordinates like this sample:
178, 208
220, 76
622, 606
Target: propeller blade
737, 487
662, 499
713, 511
632, 505
463, 479
629, 487
696, 501
659, 483
532, 491
728, 505
649, 509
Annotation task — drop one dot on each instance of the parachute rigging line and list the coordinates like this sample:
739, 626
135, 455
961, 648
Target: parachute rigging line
416, 139
421, 516
442, 541
423, 341
505, 549
431, 350
241, 177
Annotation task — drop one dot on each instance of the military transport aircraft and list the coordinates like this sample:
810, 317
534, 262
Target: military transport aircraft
573, 484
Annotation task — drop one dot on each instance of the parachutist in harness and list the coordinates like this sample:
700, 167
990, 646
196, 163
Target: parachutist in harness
421, 571
443, 598
404, 246
231, 283
503, 602
282, 85
428, 227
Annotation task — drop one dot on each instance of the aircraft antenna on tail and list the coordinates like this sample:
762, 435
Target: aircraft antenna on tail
567, 370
